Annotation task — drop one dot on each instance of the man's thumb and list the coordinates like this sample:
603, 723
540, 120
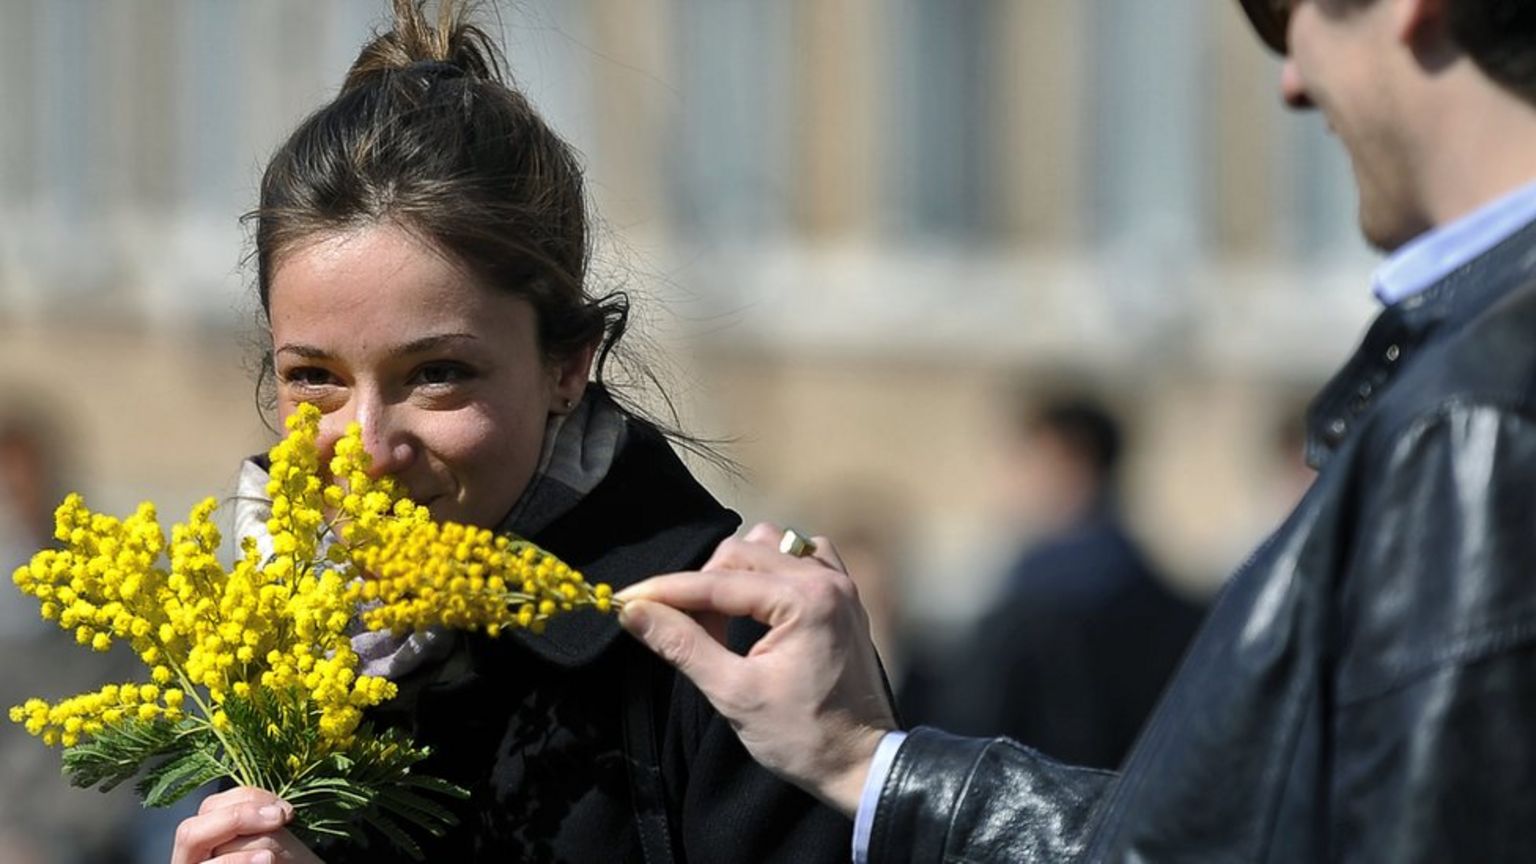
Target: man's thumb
678, 639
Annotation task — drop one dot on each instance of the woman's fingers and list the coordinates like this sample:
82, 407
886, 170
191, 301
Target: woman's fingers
248, 857
280, 846
241, 795
198, 836
257, 843
238, 826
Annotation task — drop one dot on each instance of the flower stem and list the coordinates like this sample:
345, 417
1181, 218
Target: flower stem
242, 773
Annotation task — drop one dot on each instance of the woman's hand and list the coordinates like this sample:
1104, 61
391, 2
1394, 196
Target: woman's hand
808, 701
240, 826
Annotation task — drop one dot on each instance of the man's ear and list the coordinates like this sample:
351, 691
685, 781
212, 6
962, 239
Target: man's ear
1423, 25
570, 377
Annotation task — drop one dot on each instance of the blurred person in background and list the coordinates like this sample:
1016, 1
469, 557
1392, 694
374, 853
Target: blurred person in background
39, 820
1072, 656
1365, 687
29, 490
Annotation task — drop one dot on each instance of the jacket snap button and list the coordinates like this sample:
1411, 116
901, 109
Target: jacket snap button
1336, 428
1393, 352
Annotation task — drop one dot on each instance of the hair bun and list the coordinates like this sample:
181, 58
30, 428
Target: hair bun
449, 47
434, 69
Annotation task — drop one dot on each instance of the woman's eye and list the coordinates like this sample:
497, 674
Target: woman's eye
307, 376
443, 373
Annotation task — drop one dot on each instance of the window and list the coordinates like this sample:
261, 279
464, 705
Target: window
731, 164
1149, 91
941, 174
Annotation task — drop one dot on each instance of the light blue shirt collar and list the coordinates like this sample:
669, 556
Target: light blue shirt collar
1433, 255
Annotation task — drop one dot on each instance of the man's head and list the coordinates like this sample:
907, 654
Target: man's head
1066, 459
1269, 18
1383, 71
1498, 35
1082, 430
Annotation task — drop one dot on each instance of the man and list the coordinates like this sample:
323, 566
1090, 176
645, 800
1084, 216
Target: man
1071, 657
1365, 689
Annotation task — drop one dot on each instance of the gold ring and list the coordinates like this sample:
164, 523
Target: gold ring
796, 544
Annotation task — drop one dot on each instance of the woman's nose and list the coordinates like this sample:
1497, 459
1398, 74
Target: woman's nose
386, 438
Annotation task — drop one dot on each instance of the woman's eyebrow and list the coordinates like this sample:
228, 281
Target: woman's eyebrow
306, 351
434, 342
415, 346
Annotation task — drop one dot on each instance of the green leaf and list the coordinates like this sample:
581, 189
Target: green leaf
341, 789
370, 789
118, 752
437, 786
175, 777
394, 834
417, 809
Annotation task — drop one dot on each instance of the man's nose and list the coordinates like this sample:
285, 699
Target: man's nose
1292, 89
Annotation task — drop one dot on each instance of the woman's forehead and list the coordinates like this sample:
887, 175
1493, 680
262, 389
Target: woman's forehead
383, 282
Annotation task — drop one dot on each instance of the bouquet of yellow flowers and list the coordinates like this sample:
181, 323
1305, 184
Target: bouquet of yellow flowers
251, 671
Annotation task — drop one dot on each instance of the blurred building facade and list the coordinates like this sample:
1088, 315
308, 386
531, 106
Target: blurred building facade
850, 225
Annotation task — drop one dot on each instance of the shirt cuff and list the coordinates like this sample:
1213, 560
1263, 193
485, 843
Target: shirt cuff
879, 769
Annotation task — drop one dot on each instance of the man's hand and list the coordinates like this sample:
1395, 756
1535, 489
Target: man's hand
808, 700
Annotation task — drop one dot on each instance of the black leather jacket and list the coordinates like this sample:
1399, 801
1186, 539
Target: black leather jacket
1365, 688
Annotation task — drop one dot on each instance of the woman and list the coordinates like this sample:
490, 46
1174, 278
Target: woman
421, 255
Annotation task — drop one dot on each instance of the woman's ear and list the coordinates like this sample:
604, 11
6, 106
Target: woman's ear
570, 378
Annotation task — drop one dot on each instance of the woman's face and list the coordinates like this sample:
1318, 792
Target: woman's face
445, 375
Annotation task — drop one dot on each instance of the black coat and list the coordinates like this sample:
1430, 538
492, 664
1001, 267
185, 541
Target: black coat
1365, 688
571, 741
1072, 658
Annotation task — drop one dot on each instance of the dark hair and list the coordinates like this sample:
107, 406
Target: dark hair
1499, 36
1086, 427
427, 134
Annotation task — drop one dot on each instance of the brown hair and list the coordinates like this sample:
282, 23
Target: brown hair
1498, 35
427, 134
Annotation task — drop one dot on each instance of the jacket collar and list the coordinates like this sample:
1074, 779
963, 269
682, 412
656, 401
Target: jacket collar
1404, 329
648, 516
1433, 255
